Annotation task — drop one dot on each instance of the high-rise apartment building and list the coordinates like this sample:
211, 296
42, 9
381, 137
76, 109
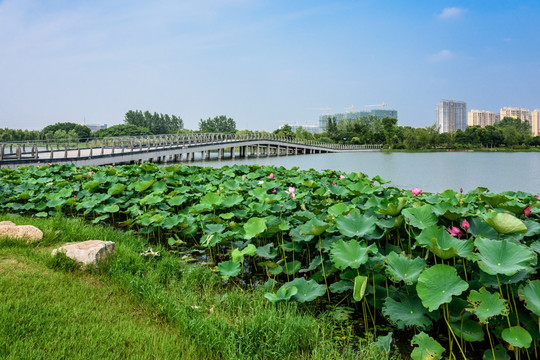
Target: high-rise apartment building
518, 113
451, 115
482, 118
535, 122
356, 115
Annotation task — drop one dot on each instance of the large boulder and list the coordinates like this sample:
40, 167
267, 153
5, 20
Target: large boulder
90, 252
28, 232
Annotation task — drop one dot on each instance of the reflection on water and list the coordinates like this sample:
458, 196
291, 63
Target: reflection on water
433, 172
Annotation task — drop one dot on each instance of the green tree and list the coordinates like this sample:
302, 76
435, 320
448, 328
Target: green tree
522, 127
285, 130
123, 130
156, 123
65, 128
219, 124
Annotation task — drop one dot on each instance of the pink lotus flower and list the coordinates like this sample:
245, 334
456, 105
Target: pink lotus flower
465, 225
537, 197
455, 232
461, 190
291, 192
110, 166
274, 191
527, 211
341, 177
416, 191
260, 182
333, 182
271, 176
74, 196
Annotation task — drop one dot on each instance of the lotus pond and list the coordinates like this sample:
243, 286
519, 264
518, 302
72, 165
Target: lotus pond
458, 271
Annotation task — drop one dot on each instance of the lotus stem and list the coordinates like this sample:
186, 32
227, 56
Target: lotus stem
490, 342
323, 272
452, 332
514, 301
502, 296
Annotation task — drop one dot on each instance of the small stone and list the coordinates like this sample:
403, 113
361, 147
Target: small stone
28, 232
90, 252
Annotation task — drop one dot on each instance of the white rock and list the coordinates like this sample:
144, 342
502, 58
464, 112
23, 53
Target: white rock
28, 232
89, 252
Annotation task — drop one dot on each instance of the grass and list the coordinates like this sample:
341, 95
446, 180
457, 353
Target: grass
138, 307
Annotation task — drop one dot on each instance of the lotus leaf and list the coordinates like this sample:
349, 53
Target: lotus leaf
533, 227
392, 208
238, 255
478, 227
214, 228
313, 264
339, 209
486, 305
384, 343
402, 268
341, 286
254, 227
437, 284
284, 293
314, 227
420, 217
441, 243
177, 200
338, 190
350, 254
428, 348
111, 208
498, 353
406, 312
505, 223
307, 290
359, 290
530, 293
292, 267
468, 330
159, 187
151, 199
502, 256
229, 268
517, 337
355, 225
143, 185
268, 251
212, 199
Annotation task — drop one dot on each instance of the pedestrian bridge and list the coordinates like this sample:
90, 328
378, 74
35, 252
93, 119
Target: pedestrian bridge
162, 149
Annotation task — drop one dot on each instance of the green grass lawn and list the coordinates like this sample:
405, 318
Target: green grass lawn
144, 308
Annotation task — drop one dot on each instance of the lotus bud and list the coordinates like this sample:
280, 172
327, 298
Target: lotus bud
465, 225
527, 211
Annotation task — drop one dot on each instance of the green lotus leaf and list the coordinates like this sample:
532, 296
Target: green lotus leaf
284, 293
232, 200
292, 267
517, 337
407, 312
402, 268
254, 227
350, 254
355, 225
428, 348
91, 185
502, 256
360, 283
111, 208
505, 223
275, 270
339, 209
486, 305
141, 186
338, 190
307, 290
116, 189
533, 227
177, 200
151, 199
229, 268
341, 286
238, 255
392, 208
315, 262
437, 284
258, 193
384, 343
468, 330
211, 199
313, 227
171, 221
211, 240
268, 251
498, 353
214, 228
441, 243
420, 217
478, 227
56, 202
530, 293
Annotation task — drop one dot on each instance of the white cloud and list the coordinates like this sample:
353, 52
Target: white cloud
451, 12
441, 56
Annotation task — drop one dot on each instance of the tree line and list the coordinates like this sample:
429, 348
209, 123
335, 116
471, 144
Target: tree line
136, 123
509, 132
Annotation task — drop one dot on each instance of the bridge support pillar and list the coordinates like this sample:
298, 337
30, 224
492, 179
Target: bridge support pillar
258, 150
246, 154
233, 152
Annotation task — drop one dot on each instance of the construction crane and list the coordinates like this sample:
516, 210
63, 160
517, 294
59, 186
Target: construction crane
350, 108
383, 105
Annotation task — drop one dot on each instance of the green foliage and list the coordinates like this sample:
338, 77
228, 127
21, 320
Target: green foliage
123, 130
218, 124
65, 130
156, 123
427, 348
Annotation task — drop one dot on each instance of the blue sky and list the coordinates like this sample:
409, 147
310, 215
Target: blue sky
263, 63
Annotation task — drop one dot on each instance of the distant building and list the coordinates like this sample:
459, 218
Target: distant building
451, 115
535, 122
517, 113
310, 128
482, 118
356, 115
95, 127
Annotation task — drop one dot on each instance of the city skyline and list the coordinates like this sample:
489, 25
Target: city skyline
261, 63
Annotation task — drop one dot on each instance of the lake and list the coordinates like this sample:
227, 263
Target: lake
432, 172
